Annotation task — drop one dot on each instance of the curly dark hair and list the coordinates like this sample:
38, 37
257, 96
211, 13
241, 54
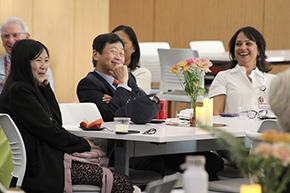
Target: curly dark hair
255, 36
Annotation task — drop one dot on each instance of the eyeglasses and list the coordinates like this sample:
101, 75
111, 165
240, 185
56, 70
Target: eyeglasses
252, 113
150, 131
14, 35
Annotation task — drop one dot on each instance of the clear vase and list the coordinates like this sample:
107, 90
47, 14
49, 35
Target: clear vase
192, 118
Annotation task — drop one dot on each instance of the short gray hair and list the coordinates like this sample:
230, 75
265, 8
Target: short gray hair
15, 20
279, 99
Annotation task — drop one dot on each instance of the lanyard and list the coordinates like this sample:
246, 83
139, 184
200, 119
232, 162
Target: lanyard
5, 64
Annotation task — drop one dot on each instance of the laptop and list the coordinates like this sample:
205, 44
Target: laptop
161, 186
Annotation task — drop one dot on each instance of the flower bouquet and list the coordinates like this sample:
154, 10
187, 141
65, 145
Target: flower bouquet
267, 164
193, 71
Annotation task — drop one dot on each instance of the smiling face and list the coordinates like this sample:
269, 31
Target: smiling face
129, 48
39, 67
12, 28
112, 55
246, 51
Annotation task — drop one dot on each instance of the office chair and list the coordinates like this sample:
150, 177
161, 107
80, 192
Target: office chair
170, 88
207, 46
17, 149
232, 185
149, 59
19, 156
73, 113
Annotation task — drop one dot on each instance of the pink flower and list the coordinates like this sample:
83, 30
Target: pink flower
282, 151
265, 149
189, 61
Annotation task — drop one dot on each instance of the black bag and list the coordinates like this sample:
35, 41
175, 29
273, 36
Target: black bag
141, 109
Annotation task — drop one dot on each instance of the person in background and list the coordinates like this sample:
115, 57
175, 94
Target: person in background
31, 103
132, 56
246, 82
108, 60
98, 87
12, 30
279, 99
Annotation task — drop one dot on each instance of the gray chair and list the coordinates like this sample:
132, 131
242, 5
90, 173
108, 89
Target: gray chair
149, 59
170, 88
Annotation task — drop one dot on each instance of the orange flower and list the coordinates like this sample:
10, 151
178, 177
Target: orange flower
273, 136
269, 135
174, 69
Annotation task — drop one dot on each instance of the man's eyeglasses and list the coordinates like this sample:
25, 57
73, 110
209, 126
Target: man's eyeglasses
252, 113
150, 131
14, 35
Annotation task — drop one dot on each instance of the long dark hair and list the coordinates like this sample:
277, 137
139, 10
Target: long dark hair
136, 55
22, 53
257, 37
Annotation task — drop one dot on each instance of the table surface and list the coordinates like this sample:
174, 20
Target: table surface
167, 140
169, 133
272, 56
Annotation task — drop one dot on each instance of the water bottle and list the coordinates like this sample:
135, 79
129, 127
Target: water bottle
195, 178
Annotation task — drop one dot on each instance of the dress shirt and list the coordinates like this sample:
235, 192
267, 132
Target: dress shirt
110, 80
239, 91
3, 73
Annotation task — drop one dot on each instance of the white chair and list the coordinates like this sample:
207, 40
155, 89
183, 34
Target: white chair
17, 149
149, 59
265, 125
19, 156
73, 114
169, 81
208, 46
232, 185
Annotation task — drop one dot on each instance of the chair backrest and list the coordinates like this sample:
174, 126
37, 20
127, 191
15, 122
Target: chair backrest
17, 147
265, 125
149, 58
74, 113
169, 57
207, 46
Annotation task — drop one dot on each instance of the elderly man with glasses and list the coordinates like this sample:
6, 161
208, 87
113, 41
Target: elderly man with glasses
12, 30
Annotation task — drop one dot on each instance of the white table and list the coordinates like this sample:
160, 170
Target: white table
273, 56
167, 140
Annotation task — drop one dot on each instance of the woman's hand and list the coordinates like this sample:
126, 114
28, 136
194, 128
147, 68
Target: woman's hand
93, 145
106, 98
45, 82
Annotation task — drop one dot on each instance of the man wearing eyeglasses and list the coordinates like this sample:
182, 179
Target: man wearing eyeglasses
12, 30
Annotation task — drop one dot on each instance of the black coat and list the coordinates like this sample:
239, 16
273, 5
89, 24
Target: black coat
44, 138
93, 87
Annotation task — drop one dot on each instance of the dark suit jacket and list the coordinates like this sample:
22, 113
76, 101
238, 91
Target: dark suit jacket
93, 87
44, 138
